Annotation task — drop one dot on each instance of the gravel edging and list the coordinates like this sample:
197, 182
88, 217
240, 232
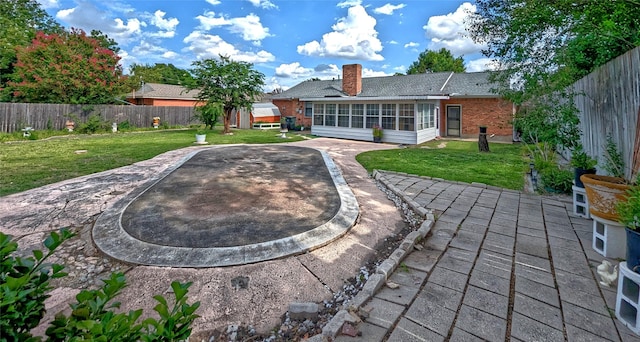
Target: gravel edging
375, 282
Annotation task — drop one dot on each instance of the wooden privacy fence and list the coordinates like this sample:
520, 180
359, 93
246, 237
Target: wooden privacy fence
609, 103
39, 116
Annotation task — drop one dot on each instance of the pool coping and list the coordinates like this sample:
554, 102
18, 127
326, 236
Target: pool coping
111, 238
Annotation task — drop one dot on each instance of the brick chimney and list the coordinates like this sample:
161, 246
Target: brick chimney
352, 79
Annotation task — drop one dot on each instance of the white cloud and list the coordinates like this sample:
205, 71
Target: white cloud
88, 17
145, 48
249, 28
372, 73
273, 83
169, 55
353, 37
213, 2
400, 68
481, 64
164, 24
392, 42
449, 31
388, 9
266, 4
293, 70
349, 3
204, 45
411, 44
46, 4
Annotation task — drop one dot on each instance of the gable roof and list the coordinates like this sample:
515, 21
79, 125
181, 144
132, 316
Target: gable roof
416, 85
261, 110
164, 91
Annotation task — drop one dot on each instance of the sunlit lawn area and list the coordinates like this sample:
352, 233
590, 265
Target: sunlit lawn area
29, 164
33, 163
504, 166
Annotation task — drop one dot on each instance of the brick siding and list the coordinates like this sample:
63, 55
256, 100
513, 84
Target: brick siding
496, 114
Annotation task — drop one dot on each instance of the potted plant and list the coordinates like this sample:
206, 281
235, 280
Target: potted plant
377, 133
201, 136
583, 164
629, 215
604, 192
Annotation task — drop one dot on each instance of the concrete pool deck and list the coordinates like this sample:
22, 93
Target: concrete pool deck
497, 265
310, 277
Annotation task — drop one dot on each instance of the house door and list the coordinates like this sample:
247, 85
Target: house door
453, 121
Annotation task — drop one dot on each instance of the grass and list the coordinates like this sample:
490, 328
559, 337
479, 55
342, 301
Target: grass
504, 166
28, 164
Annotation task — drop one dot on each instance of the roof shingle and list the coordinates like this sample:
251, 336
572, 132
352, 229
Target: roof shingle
439, 83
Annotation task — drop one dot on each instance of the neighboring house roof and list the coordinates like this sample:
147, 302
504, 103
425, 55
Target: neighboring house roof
261, 110
164, 91
429, 84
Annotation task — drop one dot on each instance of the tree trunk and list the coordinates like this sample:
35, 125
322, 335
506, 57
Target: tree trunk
227, 122
483, 144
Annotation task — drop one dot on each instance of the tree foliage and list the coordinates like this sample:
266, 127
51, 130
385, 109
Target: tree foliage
160, 73
544, 46
232, 84
549, 44
70, 67
19, 21
436, 61
209, 113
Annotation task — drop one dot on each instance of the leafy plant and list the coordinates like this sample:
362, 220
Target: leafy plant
377, 131
94, 124
208, 114
629, 209
557, 179
580, 159
614, 162
24, 287
124, 125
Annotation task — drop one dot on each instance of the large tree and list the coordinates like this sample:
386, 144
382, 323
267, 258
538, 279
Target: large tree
19, 21
544, 46
160, 73
232, 84
70, 67
436, 61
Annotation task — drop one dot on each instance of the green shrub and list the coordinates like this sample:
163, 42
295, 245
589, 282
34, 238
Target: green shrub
94, 124
124, 125
24, 286
23, 290
555, 179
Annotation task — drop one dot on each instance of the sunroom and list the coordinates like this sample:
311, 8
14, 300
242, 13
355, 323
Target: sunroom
403, 121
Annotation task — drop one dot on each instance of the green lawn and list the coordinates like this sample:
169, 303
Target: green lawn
504, 166
30, 164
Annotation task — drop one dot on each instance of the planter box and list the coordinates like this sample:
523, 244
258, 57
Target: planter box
628, 298
603, 192
609, 238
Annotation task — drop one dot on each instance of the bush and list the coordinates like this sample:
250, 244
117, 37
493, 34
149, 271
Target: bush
124, 125
94, 124
555, 179
24, 288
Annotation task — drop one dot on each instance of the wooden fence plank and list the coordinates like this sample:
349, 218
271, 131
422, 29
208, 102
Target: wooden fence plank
15, 116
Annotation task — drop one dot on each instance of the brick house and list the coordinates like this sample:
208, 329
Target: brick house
411, 109
156, 94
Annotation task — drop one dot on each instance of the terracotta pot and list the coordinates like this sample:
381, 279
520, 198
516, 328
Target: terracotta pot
603, 193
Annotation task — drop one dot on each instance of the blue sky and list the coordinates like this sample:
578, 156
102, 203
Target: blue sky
288, 40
